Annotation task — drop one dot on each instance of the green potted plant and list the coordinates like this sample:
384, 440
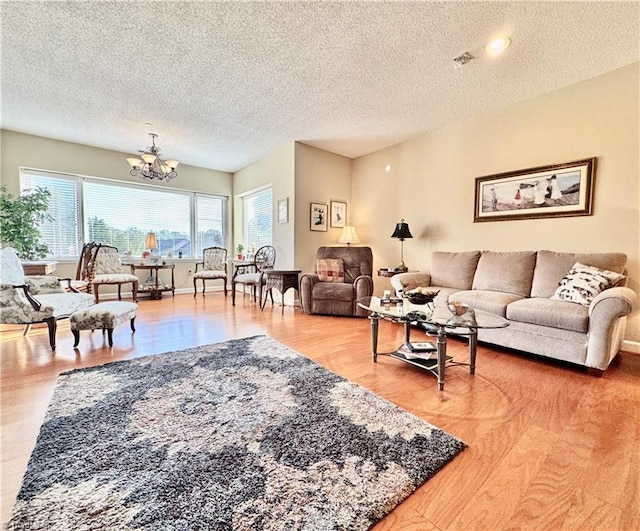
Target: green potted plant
20, 219
239, 251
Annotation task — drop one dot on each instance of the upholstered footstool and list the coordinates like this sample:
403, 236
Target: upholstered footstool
103, 316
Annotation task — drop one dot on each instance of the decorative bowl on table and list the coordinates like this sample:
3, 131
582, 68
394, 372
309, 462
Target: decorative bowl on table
420, 296
457, 308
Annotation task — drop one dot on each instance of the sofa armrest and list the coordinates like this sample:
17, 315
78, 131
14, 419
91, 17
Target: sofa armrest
606, 324
307, 281
410, 280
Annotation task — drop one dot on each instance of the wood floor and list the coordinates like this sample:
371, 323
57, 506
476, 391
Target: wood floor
549, 447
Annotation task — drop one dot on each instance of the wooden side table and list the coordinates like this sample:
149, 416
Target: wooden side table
155, 290
388, 273
282, 280
38, 267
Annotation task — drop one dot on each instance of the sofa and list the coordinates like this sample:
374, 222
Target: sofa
566, 306
343, 275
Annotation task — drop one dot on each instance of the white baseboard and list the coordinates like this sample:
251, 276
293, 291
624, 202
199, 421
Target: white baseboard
630, 346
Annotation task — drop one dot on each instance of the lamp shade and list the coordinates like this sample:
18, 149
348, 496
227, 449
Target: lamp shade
150, 242
348, 235
402, 231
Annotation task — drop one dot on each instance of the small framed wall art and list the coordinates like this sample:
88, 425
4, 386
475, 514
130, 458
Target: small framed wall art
338, 214
318, 217
559, 190
283, 210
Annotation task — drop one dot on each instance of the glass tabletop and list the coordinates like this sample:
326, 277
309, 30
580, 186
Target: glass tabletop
403, 310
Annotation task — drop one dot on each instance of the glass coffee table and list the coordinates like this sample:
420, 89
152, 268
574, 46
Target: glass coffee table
440, 321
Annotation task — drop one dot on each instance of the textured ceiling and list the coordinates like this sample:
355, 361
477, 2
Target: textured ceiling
225, 83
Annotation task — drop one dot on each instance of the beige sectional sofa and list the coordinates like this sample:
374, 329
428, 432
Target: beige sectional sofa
522, 287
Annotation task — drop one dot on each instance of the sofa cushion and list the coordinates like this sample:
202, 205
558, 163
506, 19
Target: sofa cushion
453, 270
551, 313
494, 302
551, 268
330, 269
508, 272
584, 283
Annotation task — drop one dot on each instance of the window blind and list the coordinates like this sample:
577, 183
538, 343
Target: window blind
257, 219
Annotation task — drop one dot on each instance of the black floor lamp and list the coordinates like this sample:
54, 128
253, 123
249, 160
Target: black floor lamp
403, 233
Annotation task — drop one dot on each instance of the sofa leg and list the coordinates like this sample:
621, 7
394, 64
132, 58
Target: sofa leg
595, 372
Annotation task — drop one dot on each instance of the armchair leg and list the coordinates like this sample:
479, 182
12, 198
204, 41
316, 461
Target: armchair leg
52, 325
119, 292
195, 288
225, 286
27, 327
233, 293
135, 291
97, 296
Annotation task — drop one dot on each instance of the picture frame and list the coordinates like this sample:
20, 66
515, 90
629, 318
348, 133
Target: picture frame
318, 217
558, 190
283, 210
338, 214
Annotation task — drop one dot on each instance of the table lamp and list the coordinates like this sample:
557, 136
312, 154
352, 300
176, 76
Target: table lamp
150, 242
402, 233
348, 235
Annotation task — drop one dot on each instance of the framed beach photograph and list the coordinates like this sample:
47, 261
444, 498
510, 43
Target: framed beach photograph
283, 210
338, 214
559, 190
318, 217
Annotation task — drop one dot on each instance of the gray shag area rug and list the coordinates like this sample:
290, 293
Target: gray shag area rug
245, 434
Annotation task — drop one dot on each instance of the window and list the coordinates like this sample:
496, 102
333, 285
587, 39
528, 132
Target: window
257, 219
121, 214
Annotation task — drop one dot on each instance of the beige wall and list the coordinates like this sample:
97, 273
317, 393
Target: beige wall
54, 155
431, 183
275, 170
321, 177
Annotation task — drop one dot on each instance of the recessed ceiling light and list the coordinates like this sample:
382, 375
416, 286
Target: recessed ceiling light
387, 168
498, 45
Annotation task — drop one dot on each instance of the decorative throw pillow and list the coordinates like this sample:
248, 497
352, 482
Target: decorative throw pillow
583, 283
330, 269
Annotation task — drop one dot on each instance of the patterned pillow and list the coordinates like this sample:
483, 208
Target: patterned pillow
330, 269
583, 283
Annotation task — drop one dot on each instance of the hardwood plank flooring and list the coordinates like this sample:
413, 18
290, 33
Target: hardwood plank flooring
549, 447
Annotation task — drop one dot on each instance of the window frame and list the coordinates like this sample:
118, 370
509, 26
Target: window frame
84, 215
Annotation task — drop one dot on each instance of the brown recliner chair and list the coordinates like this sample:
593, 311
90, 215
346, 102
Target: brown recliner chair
339, 298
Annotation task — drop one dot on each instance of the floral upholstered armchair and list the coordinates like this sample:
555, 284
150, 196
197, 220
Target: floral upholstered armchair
214, 267
28, 300
106, 269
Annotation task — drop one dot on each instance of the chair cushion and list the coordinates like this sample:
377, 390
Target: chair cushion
584, 283
65, 304
210, 274
114, 278
454, 270
107, 262
336, 291
509, 272
249, 278
41, 284
551, 268
330, 269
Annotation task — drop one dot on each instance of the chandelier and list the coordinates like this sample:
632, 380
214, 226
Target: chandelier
152, 167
